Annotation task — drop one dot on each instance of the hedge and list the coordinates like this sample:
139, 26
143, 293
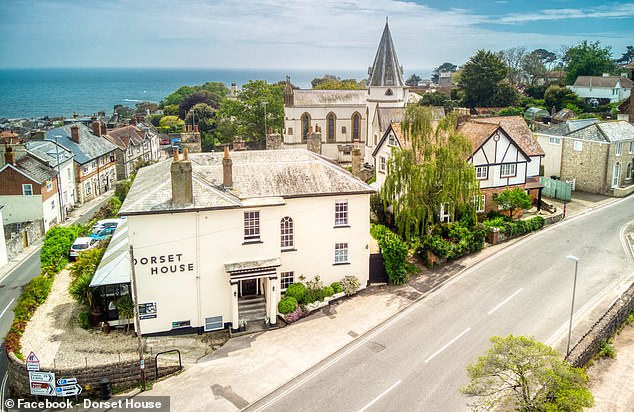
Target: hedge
394, 252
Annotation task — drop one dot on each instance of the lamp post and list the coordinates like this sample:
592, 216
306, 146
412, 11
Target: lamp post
264, 103
62, 208
572, 308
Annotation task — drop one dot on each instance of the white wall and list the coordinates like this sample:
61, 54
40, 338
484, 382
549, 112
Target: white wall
493, 153
552, 151
21, 208
318, 118
3, 244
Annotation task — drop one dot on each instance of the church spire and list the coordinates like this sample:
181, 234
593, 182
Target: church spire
386, 71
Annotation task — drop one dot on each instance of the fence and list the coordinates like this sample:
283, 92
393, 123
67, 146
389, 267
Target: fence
557, 189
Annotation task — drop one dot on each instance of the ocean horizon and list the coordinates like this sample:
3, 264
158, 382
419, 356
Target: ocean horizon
55, 92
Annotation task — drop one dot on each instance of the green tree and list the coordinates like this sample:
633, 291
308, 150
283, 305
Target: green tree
513, 59
505, 95
445, 67
588, 59
144, 107
559, 97
332, 82
173, 123
437, 99
480, 79
413, 80
248, 111
519, 373
430, 170
513, 199
627, 57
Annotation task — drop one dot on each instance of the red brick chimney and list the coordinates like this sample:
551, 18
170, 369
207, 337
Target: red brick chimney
104, 130
9, 155
96, 128
74, 133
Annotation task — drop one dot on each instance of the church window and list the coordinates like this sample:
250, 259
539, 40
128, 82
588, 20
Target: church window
331, 127
343, 129
389, 92
356, 126
305, 126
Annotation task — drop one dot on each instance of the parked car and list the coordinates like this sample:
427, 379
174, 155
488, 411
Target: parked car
81, 244
105, 223
103, 233
165, 140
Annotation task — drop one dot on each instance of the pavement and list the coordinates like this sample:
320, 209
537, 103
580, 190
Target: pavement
75, 215
249, 367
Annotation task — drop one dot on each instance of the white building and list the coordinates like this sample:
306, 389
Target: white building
344, 116
211, 234
606, 88
3, 244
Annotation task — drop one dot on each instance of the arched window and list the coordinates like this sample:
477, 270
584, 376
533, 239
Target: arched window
356, 127
305, 126
286, 233
331, 127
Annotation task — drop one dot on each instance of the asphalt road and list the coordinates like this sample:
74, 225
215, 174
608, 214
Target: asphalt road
417, 360
11, 288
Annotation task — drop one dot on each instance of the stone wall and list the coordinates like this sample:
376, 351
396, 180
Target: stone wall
587, 166
29, 234
606, 327
122, 375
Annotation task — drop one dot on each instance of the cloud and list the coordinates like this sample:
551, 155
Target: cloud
602, 12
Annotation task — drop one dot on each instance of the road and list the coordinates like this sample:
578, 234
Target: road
417, 360
11, 288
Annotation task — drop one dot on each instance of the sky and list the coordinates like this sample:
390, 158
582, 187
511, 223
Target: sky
324, 35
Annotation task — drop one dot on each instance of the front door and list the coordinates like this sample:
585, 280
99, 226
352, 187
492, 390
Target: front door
249, 287
616, 175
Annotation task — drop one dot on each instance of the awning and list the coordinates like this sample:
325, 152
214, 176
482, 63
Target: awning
115, 264
252, 269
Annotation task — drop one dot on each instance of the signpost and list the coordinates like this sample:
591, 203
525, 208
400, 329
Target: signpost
32, 363
68, 390
42, 383
66, 381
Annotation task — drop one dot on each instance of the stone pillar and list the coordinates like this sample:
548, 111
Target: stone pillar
235, 319
357, 159
272, 301
181, 176
314, 141
227, 170
273, 141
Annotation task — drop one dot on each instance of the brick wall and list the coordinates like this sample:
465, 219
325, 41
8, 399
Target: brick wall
11, 182
606, 327
122, 375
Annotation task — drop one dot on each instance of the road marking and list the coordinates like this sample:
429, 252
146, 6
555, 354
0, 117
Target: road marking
379, 397
2, 388
447, 345
7, 308
505, 300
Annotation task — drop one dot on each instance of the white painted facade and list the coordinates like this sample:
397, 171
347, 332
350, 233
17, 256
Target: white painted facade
501, 163
552, 146
383, 152
3, 244
615, 91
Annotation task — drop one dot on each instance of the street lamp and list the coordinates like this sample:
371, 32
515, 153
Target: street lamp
572, 308
264, 104
59, 183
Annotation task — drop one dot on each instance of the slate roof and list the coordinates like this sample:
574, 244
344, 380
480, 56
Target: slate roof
386, 71
400, 139
602, 81
388, 115
518, 130
259, 178
90, 147
562, 129
309, 97
124, 136
33, 168
616, 131
48, 151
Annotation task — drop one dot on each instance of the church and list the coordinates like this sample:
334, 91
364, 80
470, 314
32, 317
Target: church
341, 117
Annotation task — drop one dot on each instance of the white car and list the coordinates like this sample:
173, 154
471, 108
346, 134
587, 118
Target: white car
105, 223
81, 244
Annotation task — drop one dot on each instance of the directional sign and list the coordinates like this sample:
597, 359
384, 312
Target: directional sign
32, 362
42, 377
68, 390
42, 383
66, 381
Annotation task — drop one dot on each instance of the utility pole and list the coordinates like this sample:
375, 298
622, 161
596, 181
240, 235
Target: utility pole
137, 320
62, 209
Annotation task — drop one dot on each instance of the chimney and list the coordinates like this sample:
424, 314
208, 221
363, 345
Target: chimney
632, 105
273, 141
227, 170
314, 141
96, 128
181, 171
357, 159
9, 155
104, 130
74, 133
234, 89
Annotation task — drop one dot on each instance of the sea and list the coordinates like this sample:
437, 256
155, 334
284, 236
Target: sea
56, 92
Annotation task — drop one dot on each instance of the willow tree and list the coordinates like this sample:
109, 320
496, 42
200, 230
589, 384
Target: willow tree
429, 170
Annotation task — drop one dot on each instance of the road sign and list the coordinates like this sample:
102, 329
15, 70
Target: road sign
32, 362
68, 390
42, 383
66, 381
48, 377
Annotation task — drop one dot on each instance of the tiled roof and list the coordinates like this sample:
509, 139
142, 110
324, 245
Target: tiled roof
518, 130
477, 132
309, 97
126, 135
259, 177
35, 169
602, 81
386, 71
90, 147
48, 152
605, 132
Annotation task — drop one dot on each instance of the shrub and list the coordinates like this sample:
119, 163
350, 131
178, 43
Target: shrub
336, 286
297, 291
297, 314
287, 305
84, 320
79, 288
606, 349
314, 290
328, 291
350, 285
56, 245
394, 252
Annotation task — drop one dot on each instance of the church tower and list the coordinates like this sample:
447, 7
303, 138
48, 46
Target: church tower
386, 88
